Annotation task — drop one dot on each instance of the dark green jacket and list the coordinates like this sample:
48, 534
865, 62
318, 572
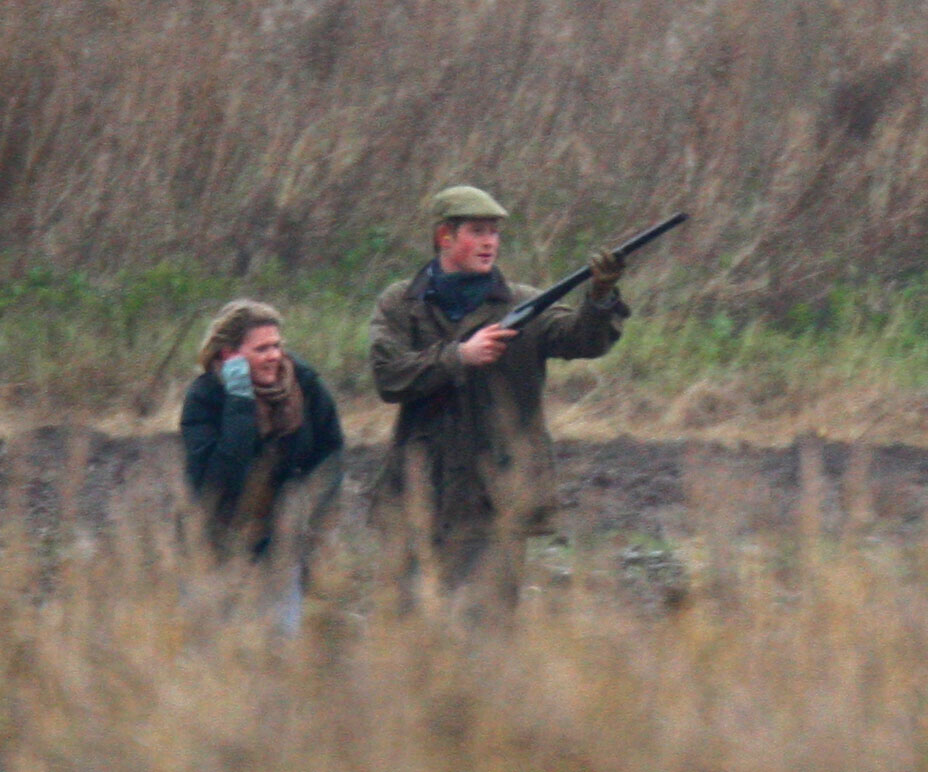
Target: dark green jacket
221, 439
475, 436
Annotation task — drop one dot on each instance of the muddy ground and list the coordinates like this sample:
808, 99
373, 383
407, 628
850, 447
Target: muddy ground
639, 497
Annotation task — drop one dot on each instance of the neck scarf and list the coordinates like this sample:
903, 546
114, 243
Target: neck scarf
280, 405
457, 294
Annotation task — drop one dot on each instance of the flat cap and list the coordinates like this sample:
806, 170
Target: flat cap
465, 201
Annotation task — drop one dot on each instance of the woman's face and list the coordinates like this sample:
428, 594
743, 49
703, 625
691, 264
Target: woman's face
263, 348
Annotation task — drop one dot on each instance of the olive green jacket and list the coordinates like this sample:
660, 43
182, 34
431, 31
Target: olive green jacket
474, 437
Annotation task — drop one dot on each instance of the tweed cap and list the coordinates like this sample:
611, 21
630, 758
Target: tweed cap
465, 201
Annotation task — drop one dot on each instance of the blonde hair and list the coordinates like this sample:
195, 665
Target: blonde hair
233, 322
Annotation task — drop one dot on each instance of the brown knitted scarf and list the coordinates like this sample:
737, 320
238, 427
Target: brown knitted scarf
280, 406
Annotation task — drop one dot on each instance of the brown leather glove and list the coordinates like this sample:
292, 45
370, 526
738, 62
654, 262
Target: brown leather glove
607, 270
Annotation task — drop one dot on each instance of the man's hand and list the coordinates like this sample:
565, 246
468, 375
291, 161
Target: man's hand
607, 270
485, 346
236, 377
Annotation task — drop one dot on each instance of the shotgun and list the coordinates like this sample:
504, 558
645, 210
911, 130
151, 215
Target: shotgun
523, 313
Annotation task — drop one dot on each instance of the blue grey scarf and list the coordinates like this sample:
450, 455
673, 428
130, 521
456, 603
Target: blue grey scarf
457, 294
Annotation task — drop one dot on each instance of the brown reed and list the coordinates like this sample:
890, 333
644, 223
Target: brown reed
143, 655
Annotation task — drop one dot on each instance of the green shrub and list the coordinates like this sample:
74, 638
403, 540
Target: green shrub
93, 340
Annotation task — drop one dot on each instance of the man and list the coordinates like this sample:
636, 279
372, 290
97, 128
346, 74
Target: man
469, 474
254, 420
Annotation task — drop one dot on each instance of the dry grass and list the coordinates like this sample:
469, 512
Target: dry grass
802, 648
247, 133
286, 149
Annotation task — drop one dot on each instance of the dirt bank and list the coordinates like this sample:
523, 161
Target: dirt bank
659, 488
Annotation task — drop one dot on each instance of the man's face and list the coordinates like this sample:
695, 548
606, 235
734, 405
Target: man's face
473, 248
263, 348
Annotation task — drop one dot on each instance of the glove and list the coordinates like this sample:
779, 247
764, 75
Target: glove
607, 270
236, 377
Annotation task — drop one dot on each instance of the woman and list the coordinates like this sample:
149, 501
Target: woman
255, 419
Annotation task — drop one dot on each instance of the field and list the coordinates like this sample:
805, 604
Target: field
704, 607
739, 579
158, 158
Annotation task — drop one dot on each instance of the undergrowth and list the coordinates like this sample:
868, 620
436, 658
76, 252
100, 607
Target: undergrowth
69, 337
796, 645
856, 335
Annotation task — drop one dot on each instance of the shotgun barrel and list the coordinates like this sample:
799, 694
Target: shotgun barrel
523, 313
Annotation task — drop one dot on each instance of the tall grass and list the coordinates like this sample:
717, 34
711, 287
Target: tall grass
244, 133
100, 342
868, 338
801, 647
155, 155
69, 339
